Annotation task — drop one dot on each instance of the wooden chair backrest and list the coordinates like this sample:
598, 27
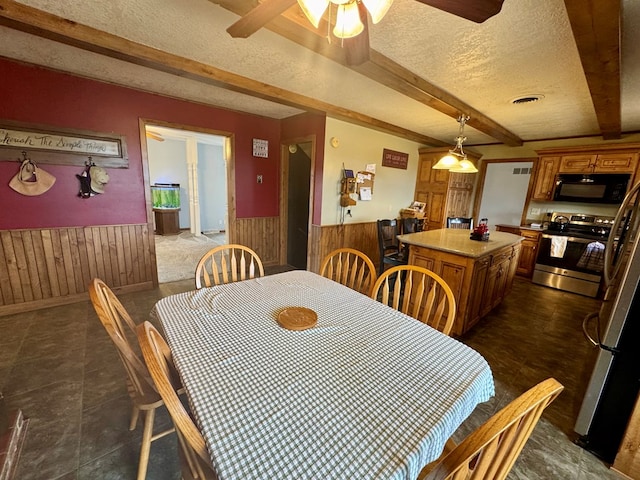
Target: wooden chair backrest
351, 268
489, 452
459, 222
388, 230
157, 357
227, 263
121, 329
418, 292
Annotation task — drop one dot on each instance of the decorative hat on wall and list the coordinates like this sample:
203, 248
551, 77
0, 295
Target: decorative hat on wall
99, 178
31, 180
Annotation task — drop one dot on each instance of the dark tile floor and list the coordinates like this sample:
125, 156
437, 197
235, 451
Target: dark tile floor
59, 366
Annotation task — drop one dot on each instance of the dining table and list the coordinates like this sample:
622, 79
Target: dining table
366, 392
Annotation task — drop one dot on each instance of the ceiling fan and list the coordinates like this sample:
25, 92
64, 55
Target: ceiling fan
357, 46
154, 136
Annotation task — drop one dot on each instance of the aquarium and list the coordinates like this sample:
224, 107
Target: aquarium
165, 195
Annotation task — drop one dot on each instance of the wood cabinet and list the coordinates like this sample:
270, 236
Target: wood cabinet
599, 163
445, 194
544, 178
478, 284
167, 222
609, 158
528, 248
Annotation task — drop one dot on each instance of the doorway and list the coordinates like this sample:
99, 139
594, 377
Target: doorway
197, 163
297, 198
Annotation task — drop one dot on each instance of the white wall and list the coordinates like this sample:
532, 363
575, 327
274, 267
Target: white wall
212, 188
505, 192
358, 146
168, 164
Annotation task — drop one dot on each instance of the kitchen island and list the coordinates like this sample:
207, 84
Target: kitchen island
480, 273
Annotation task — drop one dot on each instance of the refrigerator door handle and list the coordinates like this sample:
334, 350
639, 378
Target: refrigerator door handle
585, 328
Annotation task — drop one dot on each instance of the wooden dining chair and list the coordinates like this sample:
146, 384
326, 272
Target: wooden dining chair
194, 457
389, 246
227, 263
351, 268
418, 292
490, 452
460, 222
122, 329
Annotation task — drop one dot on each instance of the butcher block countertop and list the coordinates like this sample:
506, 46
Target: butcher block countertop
457, 241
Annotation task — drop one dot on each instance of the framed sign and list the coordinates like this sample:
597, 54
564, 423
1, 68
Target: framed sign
260, 148
391, 158
62, 146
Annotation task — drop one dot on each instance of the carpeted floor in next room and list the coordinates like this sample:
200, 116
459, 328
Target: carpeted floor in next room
178, 255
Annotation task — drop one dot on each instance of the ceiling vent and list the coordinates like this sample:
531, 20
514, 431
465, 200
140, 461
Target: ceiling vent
527, 99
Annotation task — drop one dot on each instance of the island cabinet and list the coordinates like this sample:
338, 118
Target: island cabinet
529, 248
480, 274
445, 194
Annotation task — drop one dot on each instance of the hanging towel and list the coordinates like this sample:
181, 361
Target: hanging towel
558, 246
593, 257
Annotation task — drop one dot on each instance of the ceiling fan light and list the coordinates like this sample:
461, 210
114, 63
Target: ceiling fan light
377, 8
348, 22
447, 162
464, 166
314, 10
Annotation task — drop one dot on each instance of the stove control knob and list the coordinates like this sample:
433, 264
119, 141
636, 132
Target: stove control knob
599, 220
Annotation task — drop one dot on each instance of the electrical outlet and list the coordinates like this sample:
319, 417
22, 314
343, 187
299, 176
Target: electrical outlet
259, 179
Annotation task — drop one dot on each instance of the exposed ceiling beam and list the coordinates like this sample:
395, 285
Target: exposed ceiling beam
293, 25
46, 25
596, 29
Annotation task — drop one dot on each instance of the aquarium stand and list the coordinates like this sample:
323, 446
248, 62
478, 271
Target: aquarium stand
167, 222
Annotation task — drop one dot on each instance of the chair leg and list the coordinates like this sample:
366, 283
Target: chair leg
134, 417
147, 433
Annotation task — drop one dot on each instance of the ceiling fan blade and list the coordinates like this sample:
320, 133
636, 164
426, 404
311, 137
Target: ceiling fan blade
357, 48
155, 136
258, 17
475, 10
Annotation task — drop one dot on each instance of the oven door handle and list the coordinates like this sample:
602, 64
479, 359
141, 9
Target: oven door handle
575, 239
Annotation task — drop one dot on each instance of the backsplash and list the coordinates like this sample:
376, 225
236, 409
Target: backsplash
538, 210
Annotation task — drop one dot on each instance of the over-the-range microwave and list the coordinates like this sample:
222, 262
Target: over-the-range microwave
591, 188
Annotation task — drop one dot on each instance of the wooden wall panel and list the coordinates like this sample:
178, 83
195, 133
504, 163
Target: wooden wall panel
261, 234
361, 236
53, 266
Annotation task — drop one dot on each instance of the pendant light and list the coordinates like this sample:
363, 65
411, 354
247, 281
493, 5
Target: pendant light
456, 160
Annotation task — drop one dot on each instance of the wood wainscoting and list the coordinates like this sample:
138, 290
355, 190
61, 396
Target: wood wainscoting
45, 267
260, 234
361, 236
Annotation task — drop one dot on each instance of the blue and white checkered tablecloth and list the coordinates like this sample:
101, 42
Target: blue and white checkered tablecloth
368, 393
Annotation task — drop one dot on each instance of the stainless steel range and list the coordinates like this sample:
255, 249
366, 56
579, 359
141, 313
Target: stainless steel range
571, 253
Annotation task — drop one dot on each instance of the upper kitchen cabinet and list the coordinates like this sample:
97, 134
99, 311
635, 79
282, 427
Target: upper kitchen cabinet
544, 177
605, 163
612, 158
445, 194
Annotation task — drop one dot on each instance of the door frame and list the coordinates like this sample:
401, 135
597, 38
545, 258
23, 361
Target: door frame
284, 193
229, 154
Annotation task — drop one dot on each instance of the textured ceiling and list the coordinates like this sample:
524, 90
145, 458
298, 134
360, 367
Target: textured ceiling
528, 48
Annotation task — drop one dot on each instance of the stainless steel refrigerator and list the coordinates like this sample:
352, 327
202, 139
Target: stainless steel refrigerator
615, 330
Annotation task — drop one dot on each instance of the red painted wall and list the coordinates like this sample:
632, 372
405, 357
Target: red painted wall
36, 95
301, 126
